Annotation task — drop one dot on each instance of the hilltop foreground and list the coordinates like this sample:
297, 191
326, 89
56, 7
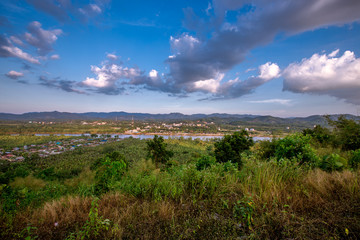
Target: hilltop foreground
303, 186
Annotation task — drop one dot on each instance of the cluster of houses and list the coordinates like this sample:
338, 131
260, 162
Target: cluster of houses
43, 123
50, 148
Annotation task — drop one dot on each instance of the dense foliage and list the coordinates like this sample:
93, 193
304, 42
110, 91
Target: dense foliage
157, 150
230, 147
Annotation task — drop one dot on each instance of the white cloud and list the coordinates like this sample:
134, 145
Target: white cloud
14, 75
269, 71
237, 88
326, 74
184, 44
108, 75
13, 51
286, 102
16, 40
55, 57
334, 53
40, 38
209, 85
90, 10
153, 73
95, 8
112, 56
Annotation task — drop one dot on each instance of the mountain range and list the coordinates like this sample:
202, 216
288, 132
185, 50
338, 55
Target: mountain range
55, 115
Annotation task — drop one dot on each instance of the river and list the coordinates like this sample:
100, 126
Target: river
142, 136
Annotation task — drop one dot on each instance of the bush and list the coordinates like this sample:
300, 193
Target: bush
231, 146
111, 169
204, 162
266, 149
296, 148
332, 162
354, 161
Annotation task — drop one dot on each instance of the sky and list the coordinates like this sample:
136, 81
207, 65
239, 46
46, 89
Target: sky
285, 58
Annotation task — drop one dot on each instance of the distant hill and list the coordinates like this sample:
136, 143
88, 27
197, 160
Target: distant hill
53, 116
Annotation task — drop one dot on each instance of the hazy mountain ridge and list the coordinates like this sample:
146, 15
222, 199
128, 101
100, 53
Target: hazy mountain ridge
55, 115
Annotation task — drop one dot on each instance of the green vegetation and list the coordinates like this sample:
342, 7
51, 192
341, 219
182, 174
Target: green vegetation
303, 186
231, 146
157, 150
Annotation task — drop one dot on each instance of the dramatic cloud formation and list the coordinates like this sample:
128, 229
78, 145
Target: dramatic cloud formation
40, 38
14, 75
110, 76
7, 49
200, 62
58, 83
326, 74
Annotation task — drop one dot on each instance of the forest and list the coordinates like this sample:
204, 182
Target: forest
304, 185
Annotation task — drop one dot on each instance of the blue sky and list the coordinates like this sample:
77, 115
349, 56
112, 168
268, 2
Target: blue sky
280, 58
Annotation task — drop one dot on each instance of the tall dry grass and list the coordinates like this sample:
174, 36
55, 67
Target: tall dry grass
289, 203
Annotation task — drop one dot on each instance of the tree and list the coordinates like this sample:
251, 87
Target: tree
347, 132
320, 134
157, 150
295, 148
230, 147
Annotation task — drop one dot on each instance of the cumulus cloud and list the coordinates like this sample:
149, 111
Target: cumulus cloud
7, 49
40, 38
108, 75
220, 43
14, 75
58, 83
326, 74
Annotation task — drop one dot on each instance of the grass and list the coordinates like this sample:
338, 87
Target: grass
29, 182
263, 200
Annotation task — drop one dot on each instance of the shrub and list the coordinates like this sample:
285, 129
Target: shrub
332, 162
231, 146
204, 162
113, 166
296, 148
354, 161
266, 149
